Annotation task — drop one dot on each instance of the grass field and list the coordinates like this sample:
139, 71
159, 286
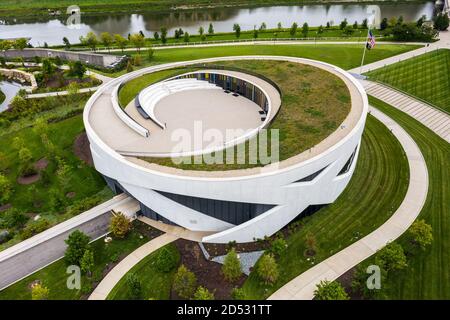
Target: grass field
314, 104
344, 56
156, 285
377, 188
428, 274
54, 276
426, 77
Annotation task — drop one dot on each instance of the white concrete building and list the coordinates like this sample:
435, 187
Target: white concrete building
235, 205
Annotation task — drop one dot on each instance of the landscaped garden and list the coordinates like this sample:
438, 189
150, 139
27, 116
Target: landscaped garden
426, 76
422, 271
43, 180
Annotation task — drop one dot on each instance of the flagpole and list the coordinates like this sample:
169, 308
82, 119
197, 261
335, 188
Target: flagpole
365, 48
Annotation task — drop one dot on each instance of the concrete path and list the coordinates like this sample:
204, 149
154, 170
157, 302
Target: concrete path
443, 43
33, 254
118, 272
303, 286
436, 120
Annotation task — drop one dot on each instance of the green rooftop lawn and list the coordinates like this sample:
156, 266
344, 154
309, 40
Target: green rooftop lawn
314, 104
426, 77
54, 276
427, 275
156, 285
360, 209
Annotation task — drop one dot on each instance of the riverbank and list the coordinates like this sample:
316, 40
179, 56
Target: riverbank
33, 8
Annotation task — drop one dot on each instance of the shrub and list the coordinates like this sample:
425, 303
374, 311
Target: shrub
87, 262
134, 286
238, 294
34, 228
39, 292
391, 257
5, 189
184, 282
77, 244
4, 236
232, 266
120, 225
12, 218
279, 246
203, 294
166, 260
421, 233
267, 269
327, 290
441, 22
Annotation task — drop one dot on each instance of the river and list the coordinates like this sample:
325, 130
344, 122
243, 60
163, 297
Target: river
53, 29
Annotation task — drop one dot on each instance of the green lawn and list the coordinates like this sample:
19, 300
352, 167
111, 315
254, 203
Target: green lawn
54, 276
314, 104
156, 285
428, 274
426, 77
375, 191
344, 56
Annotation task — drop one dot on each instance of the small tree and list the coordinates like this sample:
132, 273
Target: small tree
343, 24
66, 43
120, 225
255, 33
150, 54
186, 37
20, 44
156, 36
355, 25
137, 40
63, 174
263, 26
203, 294
163, 35
184, 282
293, 29
91, 41
279, 26
87, 262
311, 244
267, 269
48, 69
77, 244
210, 29
320, 30
365, 23
39, 292
305, 30
107, 39
134, 286
120, 41
77, 69
384, 24
237, 30
391, 257
5, 189
166, 260
327, 290
201, 31
441, 22
231, 268
129, 66
421, 233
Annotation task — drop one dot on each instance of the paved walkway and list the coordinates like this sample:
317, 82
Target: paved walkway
434, 119
46, 247
118, 272
303, 286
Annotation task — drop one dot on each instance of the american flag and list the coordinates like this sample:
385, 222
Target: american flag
370, 41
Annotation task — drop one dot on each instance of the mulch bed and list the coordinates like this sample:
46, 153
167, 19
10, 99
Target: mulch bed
208, 273
220, 249
82, 150
346, 281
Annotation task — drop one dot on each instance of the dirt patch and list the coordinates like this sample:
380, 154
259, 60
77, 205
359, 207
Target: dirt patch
82, 150
208, 273
5, 207
219, 249
71, 195
41, 164
29, 179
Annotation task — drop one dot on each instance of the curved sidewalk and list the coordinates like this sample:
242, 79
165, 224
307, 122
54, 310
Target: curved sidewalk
303, 286
119, 271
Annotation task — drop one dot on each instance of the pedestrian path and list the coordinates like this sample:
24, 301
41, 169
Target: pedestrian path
303, 286
436, 120
119, 271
